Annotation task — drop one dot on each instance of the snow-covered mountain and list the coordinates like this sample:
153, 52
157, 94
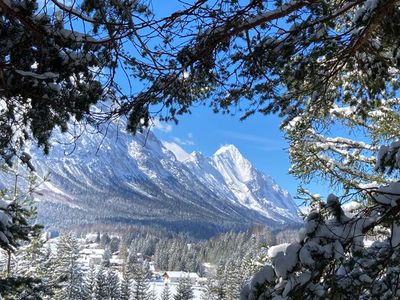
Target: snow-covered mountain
121, 178
232, 177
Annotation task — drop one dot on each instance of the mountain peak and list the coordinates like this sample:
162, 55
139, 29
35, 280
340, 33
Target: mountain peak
229, 159
229, 148
196, 154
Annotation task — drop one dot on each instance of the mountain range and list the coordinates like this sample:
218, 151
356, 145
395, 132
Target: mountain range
115, 177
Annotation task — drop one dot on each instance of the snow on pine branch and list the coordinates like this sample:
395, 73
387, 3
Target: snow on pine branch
333, 251
316, 151
388, 158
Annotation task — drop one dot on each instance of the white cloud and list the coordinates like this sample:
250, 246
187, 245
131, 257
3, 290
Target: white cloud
161, 126
179, 153
266, 144
183, 142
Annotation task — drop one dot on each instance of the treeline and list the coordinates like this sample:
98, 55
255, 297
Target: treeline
92, 211
181, 252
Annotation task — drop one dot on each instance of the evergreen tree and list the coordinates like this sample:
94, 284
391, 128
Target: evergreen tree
101, 290
220, 286
106, 257
131, 264
16, 229
66, 271
125, 286
316, 152
330, 52
105, 240
91, 283
166, 293
184, 291
161, 256
249, 266
233, 281
74, 289
139, 273
123, 251
113, 288
97, 241
152, 295
209, 291
331, 252
114, 245
50, 71
33, 259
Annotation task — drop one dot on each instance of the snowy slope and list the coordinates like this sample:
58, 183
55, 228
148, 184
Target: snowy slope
253, 188
121, 178
233, 177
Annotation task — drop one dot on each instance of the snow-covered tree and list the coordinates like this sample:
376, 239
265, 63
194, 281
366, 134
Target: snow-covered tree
114, 244
249, 266
113, 287
101, 290
17, 230
123, 251
209, 292
234, 56
58, 59
106, 257
16, 209
345, 156
220, 283
184, 290
33, 259
152, 295
105, 240
166, 293
140, 285
125, 286
333, 257
66, 271
233, 280
340, 254
233, 52
90, 282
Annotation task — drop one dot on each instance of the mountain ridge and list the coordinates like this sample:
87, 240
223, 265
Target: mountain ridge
137, 180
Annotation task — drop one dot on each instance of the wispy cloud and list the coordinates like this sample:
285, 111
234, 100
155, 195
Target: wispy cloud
183, 142
262, 143
161, 126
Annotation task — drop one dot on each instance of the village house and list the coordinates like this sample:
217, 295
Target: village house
175, 276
